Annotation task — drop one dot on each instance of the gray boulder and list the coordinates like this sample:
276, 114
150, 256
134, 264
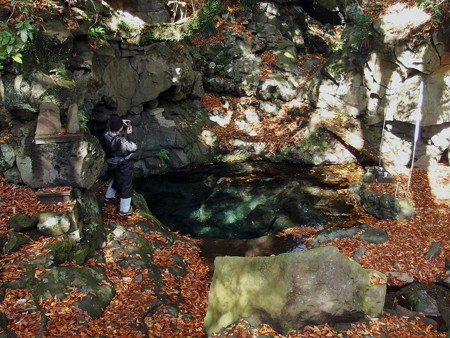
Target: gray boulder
76, 164
433, 250
292, 290
376, 236
423, 303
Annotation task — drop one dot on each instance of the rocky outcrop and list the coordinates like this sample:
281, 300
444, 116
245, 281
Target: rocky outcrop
76, 164
385, 85
159, 87
426, 302
148, 11
312, 287
78, 230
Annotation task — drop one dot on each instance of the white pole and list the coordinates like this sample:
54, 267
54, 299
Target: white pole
417, 129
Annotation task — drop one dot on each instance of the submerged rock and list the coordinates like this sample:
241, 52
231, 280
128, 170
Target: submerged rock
292, 290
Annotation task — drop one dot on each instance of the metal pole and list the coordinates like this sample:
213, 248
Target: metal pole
386, 111
382, 135
417, 129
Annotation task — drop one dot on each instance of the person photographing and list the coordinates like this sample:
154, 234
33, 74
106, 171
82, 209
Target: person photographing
119, 147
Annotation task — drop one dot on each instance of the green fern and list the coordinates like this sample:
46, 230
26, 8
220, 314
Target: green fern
163, 154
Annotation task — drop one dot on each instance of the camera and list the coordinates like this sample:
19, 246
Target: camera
127, 124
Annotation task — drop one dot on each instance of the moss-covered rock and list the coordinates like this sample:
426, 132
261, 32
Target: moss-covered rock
80, 253
61, 250
57, 280
383, 206
14, 242
76, 164
90, 217
21, 222
140, 204
312, 287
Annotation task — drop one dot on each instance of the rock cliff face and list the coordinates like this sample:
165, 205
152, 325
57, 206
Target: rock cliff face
396, 82
317, 111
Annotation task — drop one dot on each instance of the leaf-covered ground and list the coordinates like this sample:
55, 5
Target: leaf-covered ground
404, 252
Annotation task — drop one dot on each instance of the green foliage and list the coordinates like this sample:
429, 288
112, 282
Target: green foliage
129, 32
196, 54
377, 6
163, 154
50, 94
354, 48
45, 54
249, 3
432, 7
338, 117
84, 119
13, 40
60, 72
362, 29
97, 33
163, 33
109, 236
126, 27
92, 226
204, 17
339, 46
200, 21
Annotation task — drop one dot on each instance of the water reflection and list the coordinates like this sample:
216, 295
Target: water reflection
242, 200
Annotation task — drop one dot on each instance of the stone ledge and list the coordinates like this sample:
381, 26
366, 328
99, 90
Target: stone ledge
47, 139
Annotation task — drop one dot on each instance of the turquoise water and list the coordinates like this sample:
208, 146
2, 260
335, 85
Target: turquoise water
242, 200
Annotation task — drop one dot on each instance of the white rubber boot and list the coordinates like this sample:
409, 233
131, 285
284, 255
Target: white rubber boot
125, 207
110, 191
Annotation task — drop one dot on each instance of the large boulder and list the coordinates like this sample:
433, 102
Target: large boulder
292, 290
76, 164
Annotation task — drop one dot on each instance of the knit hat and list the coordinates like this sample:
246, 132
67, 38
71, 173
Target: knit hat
115, 123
